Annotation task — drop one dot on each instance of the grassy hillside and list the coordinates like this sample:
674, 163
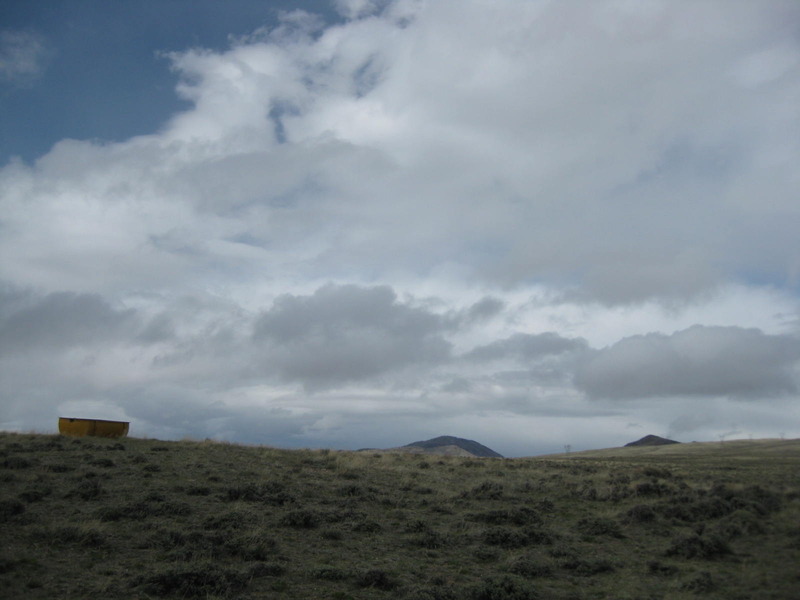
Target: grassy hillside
95, 518
731, 449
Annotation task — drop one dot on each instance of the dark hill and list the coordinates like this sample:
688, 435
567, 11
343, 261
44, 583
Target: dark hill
474, 448
652, 440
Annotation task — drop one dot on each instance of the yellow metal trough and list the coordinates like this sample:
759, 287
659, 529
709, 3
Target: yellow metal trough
95, 427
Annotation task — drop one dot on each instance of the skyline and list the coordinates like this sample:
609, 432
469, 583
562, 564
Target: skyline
360, 224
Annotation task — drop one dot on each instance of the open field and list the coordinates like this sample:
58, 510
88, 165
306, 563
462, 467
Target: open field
132, 518
733, 449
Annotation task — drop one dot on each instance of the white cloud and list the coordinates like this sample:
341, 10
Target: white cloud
22, 55
429, 214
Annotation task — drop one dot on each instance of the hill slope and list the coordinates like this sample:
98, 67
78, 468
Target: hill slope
743, 450
145, 519
470, 447
651, 440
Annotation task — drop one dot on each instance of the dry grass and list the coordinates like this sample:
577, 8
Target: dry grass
94, 518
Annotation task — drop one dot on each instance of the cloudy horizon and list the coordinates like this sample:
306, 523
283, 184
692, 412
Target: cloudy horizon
364, 223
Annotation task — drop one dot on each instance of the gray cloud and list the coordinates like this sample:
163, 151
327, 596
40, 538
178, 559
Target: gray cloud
525, 346
485, 308
699, 361
62, 319
345, 333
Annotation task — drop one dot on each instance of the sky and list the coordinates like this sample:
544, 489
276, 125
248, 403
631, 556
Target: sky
359, 223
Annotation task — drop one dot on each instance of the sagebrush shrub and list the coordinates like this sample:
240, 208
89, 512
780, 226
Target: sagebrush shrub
194, 581
376, 578
599, 526
696, 546
503, 588
301, 519
10, 508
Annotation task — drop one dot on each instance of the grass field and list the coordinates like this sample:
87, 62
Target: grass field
133, 518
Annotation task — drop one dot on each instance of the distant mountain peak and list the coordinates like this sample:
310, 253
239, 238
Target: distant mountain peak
470, 446
652, 440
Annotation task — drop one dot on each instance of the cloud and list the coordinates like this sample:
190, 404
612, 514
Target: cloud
526, 347
699, 361
343, 333
596, 151
61, 320
483, 309
22, 56
507, 198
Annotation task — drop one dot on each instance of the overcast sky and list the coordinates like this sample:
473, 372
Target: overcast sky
364, 223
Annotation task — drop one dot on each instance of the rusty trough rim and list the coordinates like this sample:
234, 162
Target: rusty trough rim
95, 420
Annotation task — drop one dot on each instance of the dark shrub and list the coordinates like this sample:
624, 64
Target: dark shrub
16, 462
355, 491
599, 526
376, 578
546, 506
367, 527
700, 584
226, 521
253, 547
657, 473
194, 582
503, 588
740, 522
531, 567
165, 539
171, 509
505, 537
656, 568
538, 536
563, 551
301, 519
588, 567
60, 468
696, 546
106, 463
439, 592
138, 511
69, 534
35, 494
10, 508
517, 516
486, 555
695, 510
431, 540
756, 499
329, 574
272, 493
267, 570
641, 513
416, 526
8, 564
651, 488
488, 490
